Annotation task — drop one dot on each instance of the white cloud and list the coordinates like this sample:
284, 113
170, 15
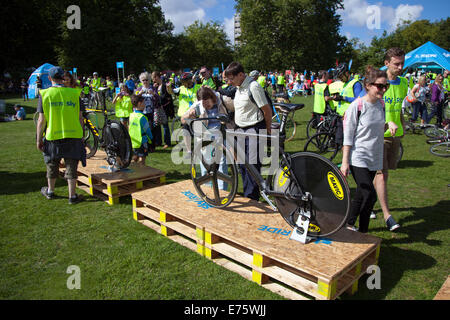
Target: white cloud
229, 28
182, 13
208, 3
405, 12
355, 14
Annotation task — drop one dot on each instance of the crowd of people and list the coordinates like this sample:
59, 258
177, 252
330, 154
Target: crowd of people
370, 109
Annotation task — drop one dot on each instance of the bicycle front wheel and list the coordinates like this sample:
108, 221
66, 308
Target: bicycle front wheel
311, 127
441, 149
90, 139
330, 194
214, 174
323, 143
291, 127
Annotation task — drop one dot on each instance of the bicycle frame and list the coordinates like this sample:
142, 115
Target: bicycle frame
264, 184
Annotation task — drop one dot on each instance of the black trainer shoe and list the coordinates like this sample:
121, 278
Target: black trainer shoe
391, 224
75, 200
45, 193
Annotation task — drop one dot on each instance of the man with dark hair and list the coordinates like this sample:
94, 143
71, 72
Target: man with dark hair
251, 117
394, 60
59, 110
207, 79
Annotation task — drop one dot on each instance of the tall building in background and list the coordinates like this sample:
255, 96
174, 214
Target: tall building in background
237, 29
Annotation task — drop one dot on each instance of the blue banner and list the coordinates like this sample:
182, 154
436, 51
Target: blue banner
119, 64
186, 70
215, 71
74, 70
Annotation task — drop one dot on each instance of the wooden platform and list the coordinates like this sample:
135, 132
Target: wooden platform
97, 180
249, 238
444, 292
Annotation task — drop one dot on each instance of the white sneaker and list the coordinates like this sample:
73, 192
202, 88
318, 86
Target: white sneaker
373, 215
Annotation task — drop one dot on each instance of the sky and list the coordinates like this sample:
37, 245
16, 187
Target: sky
361, 19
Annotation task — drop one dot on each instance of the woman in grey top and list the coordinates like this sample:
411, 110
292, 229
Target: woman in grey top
364, 126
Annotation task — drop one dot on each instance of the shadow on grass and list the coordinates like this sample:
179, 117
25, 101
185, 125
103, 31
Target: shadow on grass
176, 176
430, 219
414, 164
394, 262
24, 182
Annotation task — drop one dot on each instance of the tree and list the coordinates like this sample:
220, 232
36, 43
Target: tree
206, 44
131, 31
277, 34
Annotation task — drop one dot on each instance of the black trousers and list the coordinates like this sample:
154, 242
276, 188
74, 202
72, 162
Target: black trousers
251, 189
364, 199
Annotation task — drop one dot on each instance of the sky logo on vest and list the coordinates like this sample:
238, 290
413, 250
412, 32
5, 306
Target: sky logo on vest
392, 100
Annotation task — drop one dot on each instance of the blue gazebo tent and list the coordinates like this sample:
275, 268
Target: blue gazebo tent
427, 56
42, 72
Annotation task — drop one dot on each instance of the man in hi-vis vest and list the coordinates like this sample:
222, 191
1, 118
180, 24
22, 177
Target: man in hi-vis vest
394, 60
321, 95
62, 120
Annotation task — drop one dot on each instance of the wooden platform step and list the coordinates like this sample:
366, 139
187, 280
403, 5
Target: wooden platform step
444, 292
248, 238
97, 180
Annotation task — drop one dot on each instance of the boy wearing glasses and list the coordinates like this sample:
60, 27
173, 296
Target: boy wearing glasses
394, 60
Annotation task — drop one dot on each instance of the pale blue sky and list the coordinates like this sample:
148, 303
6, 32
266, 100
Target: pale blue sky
355, 16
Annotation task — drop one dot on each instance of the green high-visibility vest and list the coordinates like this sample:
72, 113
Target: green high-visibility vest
335, 87
86, 89
135, 130
62, 112
262, 81
446, 84
281, 80
124, 107
186, 98
411, 82
319, 98
393, 100
95, 84
209, 83
347, 91
110, 84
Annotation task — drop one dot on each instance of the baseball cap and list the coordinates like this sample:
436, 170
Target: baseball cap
56, 73
254, 73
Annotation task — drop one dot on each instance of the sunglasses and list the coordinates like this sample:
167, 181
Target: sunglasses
144, 80
381, 86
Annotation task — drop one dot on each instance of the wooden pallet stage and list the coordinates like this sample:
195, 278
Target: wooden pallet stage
249, 238
444, 292
97, 180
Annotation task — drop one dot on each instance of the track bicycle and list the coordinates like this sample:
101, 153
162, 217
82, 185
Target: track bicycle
114, 138
308, 190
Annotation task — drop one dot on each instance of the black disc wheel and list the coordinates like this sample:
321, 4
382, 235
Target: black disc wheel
324, 144
441, 149
117, 144
214, 173
329, 203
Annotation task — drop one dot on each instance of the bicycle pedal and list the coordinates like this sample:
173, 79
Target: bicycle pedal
264, 195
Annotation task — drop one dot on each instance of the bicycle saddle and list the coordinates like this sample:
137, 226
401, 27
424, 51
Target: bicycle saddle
281, 95
288, 107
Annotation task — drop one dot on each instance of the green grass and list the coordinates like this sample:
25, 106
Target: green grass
122, 259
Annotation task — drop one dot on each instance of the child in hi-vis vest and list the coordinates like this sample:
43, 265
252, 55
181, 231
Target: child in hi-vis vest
139, 129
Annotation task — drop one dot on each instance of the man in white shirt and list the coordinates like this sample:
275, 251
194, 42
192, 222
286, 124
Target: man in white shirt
252, 113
